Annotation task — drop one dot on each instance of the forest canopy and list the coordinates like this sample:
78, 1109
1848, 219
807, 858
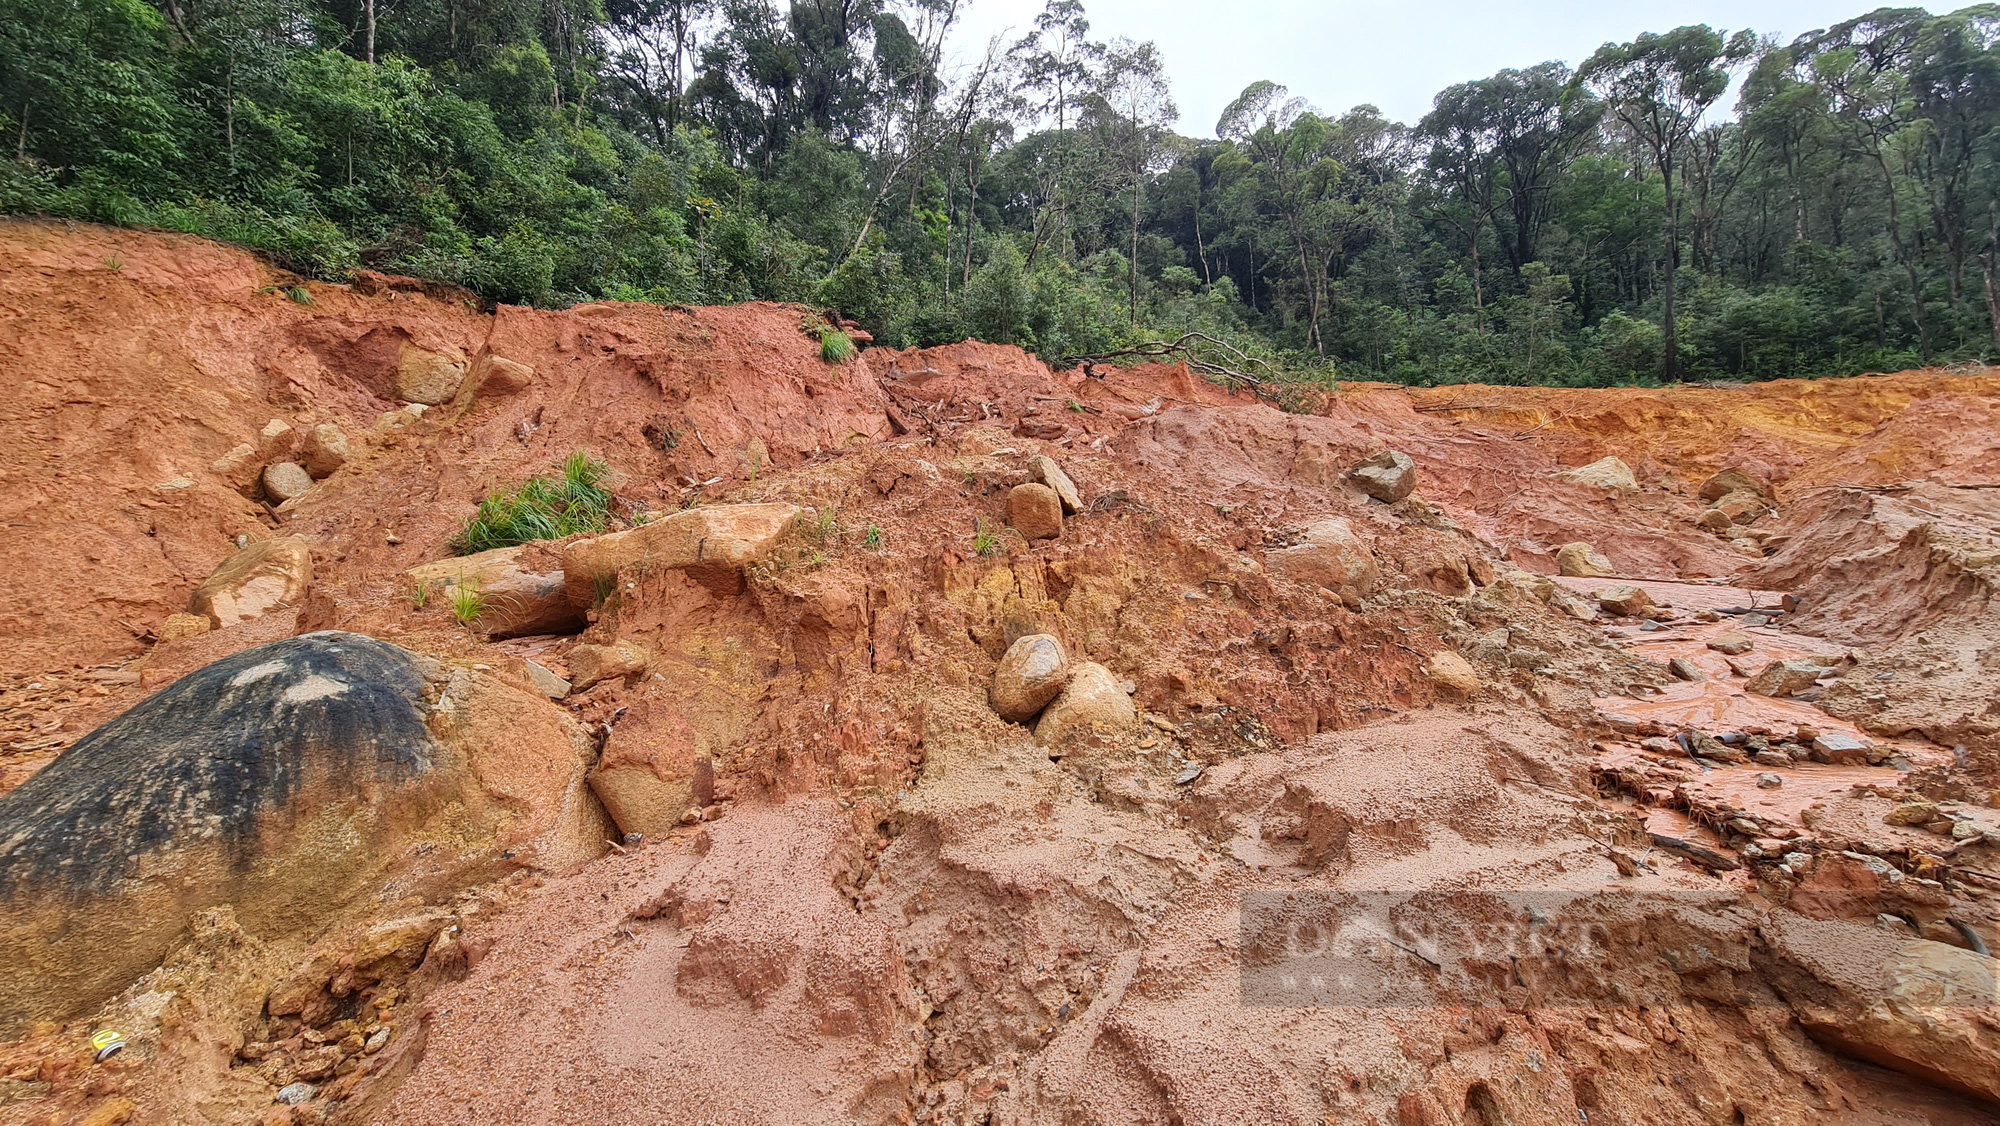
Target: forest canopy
1693, 204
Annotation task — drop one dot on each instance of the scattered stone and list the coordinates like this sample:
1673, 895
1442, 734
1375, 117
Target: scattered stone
1771, 758
1789, 603
1684, 669
1659, 746
1043, 469
1388, 476
1188, 773
713, 543
1733, 481
1033, 671
1582, 561
1834, 747
1713, 521
1783, 678
1331, 556
1754, 619
260, 577
1965, 830
286, 481
1912, 813
324, 450
1625, 601
1707, 746
1449, 670
1092, 700
518, 601
594, 664
181, 626
241, 467
1731, 643
1036, 511
1605, 472
296, 1094
546, 682
427, 377
276, 439
1769, 781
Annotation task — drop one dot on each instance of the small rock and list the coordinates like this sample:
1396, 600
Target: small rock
286, 480
1833, 747
1188, 773
1707, 746
1707, 616
1742, 508
181, 626
1733, 481
1684, 669
1625, 601
276, 439
324, 450
1607, 473
546, 682
1769, 781
1771, 758
296, 1094
593, 664
378, 1041
241, 467
1035, 511
1582, 561
1713, 521
1625, 862
1034, 671
1449, 670
1912, 813
1043, 469
1388, 476
1783, 678
1965, 830
1754, 619
1657, 745
496, 375
1731, 643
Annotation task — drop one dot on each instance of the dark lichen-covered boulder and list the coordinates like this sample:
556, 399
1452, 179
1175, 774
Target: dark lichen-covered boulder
288, 782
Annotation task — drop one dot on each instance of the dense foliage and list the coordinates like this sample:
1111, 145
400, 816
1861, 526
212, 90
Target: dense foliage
1611, 223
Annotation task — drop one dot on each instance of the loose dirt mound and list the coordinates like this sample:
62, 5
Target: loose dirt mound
1394, 828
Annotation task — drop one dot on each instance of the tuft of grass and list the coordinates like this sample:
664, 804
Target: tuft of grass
422, 597
114, 263
466, 602
543, 508
834, 346
985, 540
825, 528
874, 540
300, 294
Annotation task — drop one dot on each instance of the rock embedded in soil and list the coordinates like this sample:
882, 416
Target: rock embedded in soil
182, 625
286, 481
262, 576
427, 377
1029, 675
242, 467
496, 376
1043, 469
1713, 521
1733, 481
324, 450
1388, 476
1742, 508
1331, 556
1683, 669
1447, 669
1094, 700
1605, 473
285, 782
545, 681
519, 601
594, 664
1035, 511
1784, 678
1731, 643
1581, 560
713, 543
276, 439
1625, 601
1834, 747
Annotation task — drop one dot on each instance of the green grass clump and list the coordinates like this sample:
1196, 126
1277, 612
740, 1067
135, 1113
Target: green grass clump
543, 508
834, 346
985, 541
466, 603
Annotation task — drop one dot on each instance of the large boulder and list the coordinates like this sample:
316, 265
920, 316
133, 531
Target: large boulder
427, 377
1030, 674
1035, 511
1092, 702
710, 543
1331, 556
1923, 1008
262, 576
324, 450
1605, 473
1580, 560
1626, 601
287, 782
519, 600
1388, 476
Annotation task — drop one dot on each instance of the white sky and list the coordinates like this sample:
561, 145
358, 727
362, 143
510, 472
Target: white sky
1340, 53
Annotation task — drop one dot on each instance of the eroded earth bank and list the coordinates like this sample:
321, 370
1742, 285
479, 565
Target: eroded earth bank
932, 737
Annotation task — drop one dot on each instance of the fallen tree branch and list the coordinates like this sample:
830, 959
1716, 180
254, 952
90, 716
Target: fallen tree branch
1186, 350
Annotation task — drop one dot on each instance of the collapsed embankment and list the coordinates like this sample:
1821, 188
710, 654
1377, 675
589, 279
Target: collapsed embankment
1332, 808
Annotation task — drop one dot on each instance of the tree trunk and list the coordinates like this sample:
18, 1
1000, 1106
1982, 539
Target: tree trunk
1132, 266
1673, 365
368, 7
21, 142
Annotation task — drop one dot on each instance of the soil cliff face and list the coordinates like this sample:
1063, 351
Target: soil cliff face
1476, 806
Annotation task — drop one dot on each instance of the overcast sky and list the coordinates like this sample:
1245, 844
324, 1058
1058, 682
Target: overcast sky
1341, 53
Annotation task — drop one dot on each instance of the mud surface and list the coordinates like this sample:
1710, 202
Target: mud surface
1445, 850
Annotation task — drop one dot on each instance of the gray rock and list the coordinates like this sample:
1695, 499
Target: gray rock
296, 1094
546, 682
1769, 781
1043, 469
286, 480
1388, 476
1834, 747
1684, 669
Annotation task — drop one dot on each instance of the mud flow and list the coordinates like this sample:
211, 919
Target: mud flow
934, 737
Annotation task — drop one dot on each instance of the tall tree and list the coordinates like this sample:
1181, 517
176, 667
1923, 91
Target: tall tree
1658, 87
1132, 108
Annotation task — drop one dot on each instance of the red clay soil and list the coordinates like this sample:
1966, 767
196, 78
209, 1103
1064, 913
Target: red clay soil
898, 907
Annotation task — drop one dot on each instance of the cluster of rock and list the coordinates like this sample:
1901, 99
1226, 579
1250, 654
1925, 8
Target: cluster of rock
283, 462
1036, 683
1037, 507
1736, 501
